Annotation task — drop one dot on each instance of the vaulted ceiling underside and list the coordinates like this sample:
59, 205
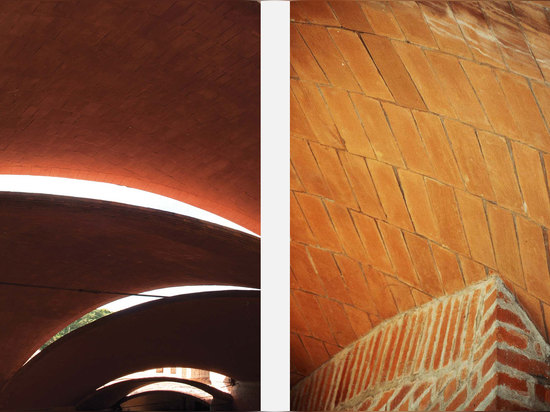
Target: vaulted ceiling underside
420, 153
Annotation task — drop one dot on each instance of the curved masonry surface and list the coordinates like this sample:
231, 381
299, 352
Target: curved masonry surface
473, 350
420, 160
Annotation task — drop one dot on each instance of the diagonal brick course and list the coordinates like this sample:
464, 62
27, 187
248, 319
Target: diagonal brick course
420, 155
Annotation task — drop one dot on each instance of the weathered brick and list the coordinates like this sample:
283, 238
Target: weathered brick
425, 401
401, 349
445, 29
511, 337
451, 339
412, 23
439, 346
450, 389
523, 363
470, 325
398, 398
514, 48
383, 400
458, 400
479, 36
505, 315
382, 19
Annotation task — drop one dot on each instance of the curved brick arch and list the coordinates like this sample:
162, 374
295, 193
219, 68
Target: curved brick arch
419, 159
222, 336
63, 257
110, 395
162, 97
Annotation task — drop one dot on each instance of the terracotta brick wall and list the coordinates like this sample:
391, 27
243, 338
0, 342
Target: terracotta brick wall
476, 349
420, 153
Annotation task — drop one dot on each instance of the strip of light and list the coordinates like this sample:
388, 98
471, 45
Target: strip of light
110, 192
130, 301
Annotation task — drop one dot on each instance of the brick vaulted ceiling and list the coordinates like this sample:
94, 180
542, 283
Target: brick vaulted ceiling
420, 153
158, 95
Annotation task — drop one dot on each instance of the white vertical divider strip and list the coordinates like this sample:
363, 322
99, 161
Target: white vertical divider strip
275, 160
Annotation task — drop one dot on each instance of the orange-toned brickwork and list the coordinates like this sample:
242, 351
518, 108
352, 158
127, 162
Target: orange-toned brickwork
474, 350
420, 153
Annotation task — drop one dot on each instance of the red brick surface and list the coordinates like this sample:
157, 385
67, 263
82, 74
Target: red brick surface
503, 363
161, 96
421, 152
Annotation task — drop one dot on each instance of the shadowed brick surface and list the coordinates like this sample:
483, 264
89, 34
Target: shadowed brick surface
161, 96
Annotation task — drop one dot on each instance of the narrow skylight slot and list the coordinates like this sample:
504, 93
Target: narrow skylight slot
140, 298
130, 301
110, 192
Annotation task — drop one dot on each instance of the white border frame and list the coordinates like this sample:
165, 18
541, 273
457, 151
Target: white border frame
275, 158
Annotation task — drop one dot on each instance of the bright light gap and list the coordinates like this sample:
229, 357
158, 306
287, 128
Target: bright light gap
144, 297
109, 192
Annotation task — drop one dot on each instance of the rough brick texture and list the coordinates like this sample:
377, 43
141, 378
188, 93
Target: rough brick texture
420, 161
473, 350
